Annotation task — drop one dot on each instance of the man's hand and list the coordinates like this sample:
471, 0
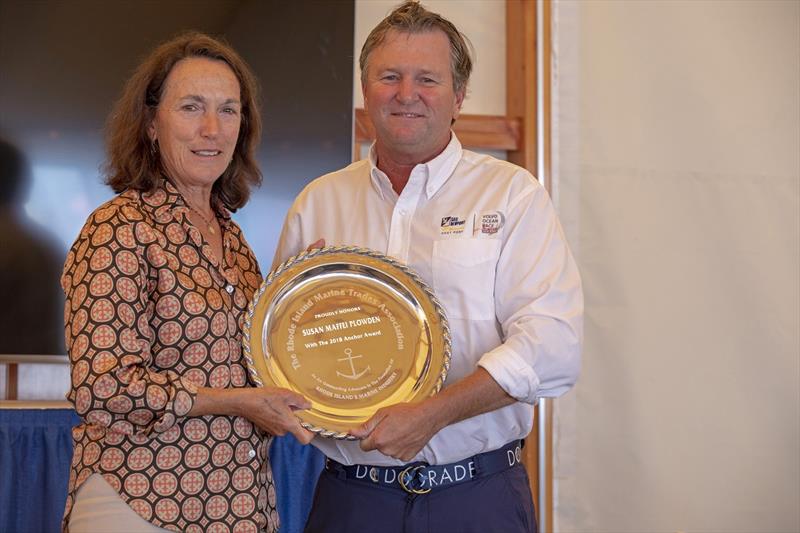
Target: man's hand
402, 430
319, 243
399, 431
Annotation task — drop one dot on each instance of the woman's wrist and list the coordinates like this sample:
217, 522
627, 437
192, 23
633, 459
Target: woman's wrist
213, 401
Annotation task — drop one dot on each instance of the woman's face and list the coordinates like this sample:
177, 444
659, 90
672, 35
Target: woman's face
197, 122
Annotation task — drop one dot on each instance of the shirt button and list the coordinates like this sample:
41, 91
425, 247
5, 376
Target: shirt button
229, 289
403, 212
251, 453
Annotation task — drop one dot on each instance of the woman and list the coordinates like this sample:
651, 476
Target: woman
157, 284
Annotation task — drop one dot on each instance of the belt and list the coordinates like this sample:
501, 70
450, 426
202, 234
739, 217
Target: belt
421, 478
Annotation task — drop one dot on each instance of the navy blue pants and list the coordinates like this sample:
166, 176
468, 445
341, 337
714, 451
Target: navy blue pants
499, 503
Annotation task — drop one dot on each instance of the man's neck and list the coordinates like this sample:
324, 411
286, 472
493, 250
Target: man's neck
398, 166
397, 172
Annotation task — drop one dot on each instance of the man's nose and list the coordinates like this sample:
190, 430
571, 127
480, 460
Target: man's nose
407, 91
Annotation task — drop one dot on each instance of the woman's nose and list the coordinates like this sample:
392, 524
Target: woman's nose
210, 125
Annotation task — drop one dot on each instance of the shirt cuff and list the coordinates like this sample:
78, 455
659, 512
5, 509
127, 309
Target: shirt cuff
179, 406
512, 373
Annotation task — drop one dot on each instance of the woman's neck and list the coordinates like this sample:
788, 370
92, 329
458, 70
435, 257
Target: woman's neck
198, 197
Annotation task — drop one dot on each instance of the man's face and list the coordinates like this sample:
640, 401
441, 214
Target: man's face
408, 93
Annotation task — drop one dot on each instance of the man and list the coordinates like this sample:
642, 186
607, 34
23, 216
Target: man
484, 234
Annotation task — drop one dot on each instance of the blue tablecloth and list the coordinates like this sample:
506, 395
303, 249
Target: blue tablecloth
35, 453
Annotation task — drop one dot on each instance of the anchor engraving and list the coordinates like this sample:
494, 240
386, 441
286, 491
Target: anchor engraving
349, 358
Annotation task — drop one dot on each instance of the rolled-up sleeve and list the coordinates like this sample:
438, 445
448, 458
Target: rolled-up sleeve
108, 281
538, 304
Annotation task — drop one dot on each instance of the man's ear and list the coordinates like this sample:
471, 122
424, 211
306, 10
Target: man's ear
364, 94
459, 101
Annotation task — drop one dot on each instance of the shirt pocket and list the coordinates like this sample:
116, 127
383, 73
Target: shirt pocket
463, 276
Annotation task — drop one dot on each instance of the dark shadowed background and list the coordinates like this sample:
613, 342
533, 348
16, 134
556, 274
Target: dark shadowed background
62, 65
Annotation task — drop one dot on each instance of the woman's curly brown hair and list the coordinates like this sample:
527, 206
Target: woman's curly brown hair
132, 164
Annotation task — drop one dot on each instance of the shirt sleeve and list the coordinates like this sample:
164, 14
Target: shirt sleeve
108, 332
538, 304
291, 241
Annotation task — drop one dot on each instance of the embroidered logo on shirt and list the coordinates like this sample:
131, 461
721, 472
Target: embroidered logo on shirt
489, 223
452, 225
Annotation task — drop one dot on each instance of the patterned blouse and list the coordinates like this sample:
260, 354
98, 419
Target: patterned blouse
150, 316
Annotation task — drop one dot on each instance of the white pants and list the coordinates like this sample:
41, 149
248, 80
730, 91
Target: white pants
99, 509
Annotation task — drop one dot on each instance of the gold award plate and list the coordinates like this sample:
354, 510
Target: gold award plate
350, 329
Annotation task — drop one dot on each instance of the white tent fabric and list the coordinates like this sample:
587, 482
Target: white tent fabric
677, 172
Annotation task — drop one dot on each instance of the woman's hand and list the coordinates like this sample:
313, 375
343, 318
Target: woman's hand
270, 408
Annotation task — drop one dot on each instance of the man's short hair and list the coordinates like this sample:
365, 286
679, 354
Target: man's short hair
411, 17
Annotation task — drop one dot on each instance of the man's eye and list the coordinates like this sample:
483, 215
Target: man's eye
189, 107
391, 77
230, 111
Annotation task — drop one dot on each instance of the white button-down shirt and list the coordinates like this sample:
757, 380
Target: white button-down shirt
483, 233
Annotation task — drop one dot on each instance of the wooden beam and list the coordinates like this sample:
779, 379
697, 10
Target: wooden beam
364, 130
486, 132
11, 381
35, 404
521, 78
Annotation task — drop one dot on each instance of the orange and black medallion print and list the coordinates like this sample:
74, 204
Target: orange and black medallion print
150, 316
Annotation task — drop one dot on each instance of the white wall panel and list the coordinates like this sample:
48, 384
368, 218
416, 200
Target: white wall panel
678, 178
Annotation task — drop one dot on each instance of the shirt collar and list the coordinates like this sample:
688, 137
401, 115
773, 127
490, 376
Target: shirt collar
438, 169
